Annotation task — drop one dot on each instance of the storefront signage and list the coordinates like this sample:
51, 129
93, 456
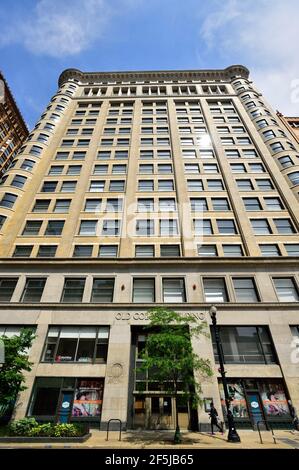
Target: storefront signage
127, 316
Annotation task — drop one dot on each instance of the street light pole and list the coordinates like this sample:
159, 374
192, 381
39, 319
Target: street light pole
233, 436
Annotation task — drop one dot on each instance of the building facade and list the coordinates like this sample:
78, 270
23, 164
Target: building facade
13, 130
291, 123
138, 189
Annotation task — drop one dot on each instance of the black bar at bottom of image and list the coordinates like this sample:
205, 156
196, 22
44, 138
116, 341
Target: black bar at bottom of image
148, 458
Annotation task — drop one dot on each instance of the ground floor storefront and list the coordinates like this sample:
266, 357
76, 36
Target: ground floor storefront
67, 399
258, 401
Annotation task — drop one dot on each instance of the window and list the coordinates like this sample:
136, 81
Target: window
284, 226
111, 227
174, 290
163, 154
164, 169
202, 227
226, 227
93, 205
74, 170
100, 169
189, 153
207, 250
119, 169
286, 161
146, 154
62, 155
35, 150
88, 227
269, 250
143, 290
18, 181
264, 184
252, 204
286, 289
73, 290
237, 168
117, 185
102, 290
215, 290
32, 227
68, 187
245, 289
292, 249
195, 185
145, 205
191, 168
82, 251
96, 186
22, 251
2, 221
145, 185
169, 251
62, 205
165, 185
49, 187
104, 155
27, 165
56, 170
79, 155
220, 204
108, 251
167, 204
144, 251
145, 227
168, 227
256, 168
47, 251
244, 185
276, 147
54, 227
33, 290
7, 287
210, 168
250, 153
232, 153
76, 344
245, 345
260, 226
273, 203
233, 251
294, 177
8, 200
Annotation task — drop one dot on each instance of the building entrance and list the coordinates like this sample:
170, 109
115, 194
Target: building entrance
158, 412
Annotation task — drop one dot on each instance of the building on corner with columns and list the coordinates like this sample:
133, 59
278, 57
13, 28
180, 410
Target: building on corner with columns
145, 188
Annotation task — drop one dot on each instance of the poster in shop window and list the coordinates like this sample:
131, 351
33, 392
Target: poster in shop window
274, 399
88, 398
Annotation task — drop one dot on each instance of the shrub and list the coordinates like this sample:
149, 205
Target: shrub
42, 430
22, 427
29, 427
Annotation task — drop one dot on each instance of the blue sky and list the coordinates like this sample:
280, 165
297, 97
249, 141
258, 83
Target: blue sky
43, 37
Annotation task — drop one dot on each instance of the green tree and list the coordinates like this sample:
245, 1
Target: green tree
170, 360
16, 362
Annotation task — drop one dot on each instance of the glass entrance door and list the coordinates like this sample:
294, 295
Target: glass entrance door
65, 407
255, 407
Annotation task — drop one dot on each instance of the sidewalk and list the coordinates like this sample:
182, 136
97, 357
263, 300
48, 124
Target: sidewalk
163, 439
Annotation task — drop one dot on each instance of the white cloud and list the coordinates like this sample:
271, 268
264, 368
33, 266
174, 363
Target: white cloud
59, 28
262, 35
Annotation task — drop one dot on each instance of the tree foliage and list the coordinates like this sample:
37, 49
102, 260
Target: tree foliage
16, 363
169, 356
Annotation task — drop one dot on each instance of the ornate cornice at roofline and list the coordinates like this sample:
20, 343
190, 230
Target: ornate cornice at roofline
213, 74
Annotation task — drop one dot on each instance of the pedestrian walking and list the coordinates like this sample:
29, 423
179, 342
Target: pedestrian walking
214, 418
294, 416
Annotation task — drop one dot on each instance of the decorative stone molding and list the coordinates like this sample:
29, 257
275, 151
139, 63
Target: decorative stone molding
95, 77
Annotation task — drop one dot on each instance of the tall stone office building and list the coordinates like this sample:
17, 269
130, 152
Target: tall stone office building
13, 130
136, 189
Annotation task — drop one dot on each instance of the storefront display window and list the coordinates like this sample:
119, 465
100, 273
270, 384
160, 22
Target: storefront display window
238, 400
274, 399
88, 398
65, 398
